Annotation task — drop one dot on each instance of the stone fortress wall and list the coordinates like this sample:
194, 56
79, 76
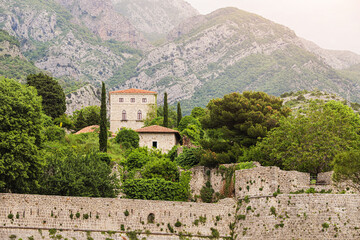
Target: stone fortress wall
251, 214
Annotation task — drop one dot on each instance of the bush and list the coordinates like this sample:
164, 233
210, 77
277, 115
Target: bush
157, 189
54, 133
161, 168
137, 158
189, 157
207, 192
104, 157
128, 138
178, 224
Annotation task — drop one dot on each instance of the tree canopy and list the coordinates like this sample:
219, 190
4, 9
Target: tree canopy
309, 139
53, 97
243, 118
21, 125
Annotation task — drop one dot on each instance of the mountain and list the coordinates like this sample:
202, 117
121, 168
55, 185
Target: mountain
85, 42
232, 50
78, 42
155, 18
13, 63
335, 58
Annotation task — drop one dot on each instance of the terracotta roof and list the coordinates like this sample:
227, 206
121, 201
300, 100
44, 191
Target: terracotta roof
88, 129
156, 129
133, 90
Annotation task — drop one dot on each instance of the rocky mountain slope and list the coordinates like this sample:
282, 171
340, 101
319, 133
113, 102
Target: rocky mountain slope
334, 58
155, 18
79, 46
232, 50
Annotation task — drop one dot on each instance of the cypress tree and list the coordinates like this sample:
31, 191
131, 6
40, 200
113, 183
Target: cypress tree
179, 115
166, 111
103, 128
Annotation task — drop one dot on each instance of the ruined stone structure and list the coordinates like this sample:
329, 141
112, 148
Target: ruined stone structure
129, 108
250, 213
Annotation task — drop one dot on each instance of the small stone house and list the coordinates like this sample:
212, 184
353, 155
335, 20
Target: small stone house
158, 137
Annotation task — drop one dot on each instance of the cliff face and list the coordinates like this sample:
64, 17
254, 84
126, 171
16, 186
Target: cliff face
155, 18
101, 18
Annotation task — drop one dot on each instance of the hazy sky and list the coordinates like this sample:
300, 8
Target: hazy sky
331, 24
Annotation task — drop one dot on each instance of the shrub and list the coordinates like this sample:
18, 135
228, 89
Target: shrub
178, 223
189, 157
161, 168
10, 216
137, 158
128, 138
273, 210
126, 213
214, 233
171, 229
207, 192
241, 217
54, 133
325, 225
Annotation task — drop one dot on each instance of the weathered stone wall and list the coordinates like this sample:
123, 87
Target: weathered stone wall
21, 212
302, 216
262, 181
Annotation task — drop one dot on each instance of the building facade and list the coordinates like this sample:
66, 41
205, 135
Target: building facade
158, 137
129, 108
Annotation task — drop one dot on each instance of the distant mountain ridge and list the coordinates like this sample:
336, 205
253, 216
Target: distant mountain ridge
84, 42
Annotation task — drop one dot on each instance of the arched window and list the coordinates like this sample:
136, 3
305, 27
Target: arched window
123, 115
139, 115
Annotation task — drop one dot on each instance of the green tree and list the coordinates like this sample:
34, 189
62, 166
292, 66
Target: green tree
68, 173
137, 158
189, 157
243, 118
309, 139
21, 127
91, 115
179, 115
80, 122
53, 97
128, 138
198, 112
166, 111
346, 166
103, 135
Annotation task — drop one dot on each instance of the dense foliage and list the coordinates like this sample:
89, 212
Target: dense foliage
243, 118
158, 188
127, 138
309, 139
53, 97
347, 168
68, 173
21, 125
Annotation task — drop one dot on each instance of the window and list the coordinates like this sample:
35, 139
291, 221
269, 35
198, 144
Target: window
144, 100
132, 99
154, 144
139, 115
121, 99
123, 115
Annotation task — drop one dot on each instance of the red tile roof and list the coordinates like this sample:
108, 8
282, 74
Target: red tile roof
88, 129
133, 90
156, 129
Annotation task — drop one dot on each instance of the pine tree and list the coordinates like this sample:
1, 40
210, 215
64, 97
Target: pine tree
166, 111
103, 128
179, 115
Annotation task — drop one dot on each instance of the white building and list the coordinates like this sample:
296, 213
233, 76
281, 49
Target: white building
129, 108
158, 137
